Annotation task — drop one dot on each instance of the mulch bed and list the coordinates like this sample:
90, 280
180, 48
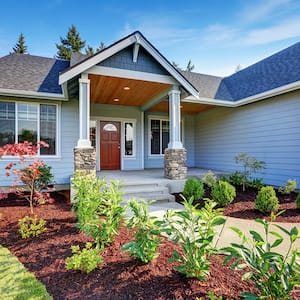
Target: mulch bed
243, 206
120, 276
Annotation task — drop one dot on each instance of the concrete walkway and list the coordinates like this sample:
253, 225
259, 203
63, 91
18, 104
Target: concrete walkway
225, 235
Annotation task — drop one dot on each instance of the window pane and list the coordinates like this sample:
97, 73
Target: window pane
7, 123
27, 123
48, 128
155, 136
128, 138
93, 133
165, 135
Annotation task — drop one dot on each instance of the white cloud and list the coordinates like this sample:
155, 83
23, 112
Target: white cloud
263, 9
281, 31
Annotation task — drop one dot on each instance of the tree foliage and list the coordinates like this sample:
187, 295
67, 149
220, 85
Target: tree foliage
71, 43
20, 46
190, 66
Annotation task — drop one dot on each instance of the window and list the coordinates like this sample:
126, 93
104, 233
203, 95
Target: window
129, 138
30, 122
159, 136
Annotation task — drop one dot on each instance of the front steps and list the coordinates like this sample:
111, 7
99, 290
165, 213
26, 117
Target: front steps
147, 191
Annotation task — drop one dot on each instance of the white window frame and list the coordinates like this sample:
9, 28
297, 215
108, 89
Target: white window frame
122, 138
58, 136
160, 118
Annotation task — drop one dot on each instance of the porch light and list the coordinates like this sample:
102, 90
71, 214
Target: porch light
116, 100
126, 88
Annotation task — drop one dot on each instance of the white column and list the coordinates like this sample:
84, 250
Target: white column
174, 114
84, 112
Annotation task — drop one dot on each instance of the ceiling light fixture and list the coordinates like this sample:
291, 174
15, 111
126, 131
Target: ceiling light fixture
116, 100
126, 88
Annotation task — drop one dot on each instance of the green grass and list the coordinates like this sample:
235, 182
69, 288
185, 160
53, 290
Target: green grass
16, 282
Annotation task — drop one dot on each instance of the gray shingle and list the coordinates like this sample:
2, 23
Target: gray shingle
31, 73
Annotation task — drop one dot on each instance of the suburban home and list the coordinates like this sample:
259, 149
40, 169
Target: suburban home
128, 108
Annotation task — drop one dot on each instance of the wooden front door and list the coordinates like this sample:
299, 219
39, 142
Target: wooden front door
109, 145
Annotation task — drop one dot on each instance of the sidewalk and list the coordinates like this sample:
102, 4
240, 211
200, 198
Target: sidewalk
225, 234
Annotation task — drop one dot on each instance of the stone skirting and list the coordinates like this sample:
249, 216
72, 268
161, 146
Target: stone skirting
175, 163
85, 160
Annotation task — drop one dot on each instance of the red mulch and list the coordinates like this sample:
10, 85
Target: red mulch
243, 206
120, 276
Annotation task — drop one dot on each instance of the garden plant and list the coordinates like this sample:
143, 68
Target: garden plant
223, 193
193, 187
266, 200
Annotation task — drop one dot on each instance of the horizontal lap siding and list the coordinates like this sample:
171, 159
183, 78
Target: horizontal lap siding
268, 130
62, 167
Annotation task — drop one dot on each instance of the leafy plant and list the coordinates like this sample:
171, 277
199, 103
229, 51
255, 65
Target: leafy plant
193, 187
223, 193
86, 259
236, 178
31, 226
209, 178
194, 231
98, 207
256, 183
147, 234
250, 165
298, 200
274, 274
266, 200
289, 187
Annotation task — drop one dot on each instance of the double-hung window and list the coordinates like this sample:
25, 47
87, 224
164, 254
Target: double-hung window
159, 132
30, 122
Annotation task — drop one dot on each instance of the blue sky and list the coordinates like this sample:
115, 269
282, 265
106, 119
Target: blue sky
216, 35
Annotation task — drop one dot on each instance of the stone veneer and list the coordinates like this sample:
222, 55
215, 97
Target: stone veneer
175, 163
85, 160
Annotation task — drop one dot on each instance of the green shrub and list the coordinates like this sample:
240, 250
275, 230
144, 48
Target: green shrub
223, 193
266, 200
98, 207
31, 226
147, 234
256, 183
209, 178
85, 260
298, 200
289, 187
275, 275
194, 231
193, 187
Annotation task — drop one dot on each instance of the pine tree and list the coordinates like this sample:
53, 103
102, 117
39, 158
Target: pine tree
20, 46
101, 47
71, 43
190, 67
89, 50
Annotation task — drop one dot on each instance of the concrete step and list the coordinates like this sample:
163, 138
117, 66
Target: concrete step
161, 198
149, 190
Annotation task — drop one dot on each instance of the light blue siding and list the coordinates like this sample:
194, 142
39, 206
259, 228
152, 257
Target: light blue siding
119, 113
188, 138
63, 166
267, 130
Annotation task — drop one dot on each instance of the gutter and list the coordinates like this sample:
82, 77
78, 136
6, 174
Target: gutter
261, 96
32, 94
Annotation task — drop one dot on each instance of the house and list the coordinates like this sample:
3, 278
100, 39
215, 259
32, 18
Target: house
128, 108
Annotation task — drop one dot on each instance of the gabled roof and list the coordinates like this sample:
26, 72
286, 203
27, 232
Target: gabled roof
275, 71
131, 39
31, 73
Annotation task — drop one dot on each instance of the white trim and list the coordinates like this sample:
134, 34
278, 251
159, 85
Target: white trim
143, 139
58, 127
32, 94
122, 122
135, 52
258, 97
129, 74
137, 37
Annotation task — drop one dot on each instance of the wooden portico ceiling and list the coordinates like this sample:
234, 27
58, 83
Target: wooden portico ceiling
114, 90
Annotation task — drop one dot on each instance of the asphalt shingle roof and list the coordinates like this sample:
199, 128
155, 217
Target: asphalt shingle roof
272, 72
31, 73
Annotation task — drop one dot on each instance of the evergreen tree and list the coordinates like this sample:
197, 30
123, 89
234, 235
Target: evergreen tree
89, 50
190, 67
71, 43
101, 47
20, 46
174, 64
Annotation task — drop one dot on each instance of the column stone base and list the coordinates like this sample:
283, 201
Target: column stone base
85, 160
175, 163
